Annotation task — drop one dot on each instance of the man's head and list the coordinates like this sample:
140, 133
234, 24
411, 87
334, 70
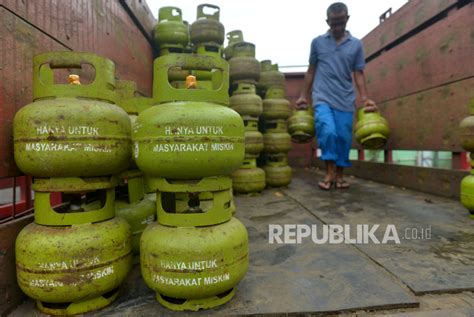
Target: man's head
337, 16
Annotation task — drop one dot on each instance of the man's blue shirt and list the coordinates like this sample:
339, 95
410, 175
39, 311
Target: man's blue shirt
334, 66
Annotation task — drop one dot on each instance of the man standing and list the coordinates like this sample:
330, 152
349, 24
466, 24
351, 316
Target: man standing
333, 58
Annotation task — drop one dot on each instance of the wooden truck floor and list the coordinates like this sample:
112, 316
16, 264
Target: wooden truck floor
432, 277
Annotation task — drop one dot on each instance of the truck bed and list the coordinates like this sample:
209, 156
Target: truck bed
422, 277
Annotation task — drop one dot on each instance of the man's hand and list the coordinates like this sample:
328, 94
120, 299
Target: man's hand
301, 103
370, 106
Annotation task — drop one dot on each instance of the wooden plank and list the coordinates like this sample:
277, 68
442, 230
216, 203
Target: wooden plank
440, 182
407, 18
11, 295
440, 54
435, 233
429, 120
20, 42
101, 27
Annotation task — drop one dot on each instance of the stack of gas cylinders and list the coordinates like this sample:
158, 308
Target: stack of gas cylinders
244, 73
73, 139
188, 144
148, 180
276, 139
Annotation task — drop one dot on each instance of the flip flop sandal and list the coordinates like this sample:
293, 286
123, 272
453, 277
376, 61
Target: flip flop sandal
342, 184
325, 185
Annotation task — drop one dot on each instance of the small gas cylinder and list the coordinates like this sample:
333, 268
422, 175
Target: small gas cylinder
233, 37
134, 206
270, 75
72, 260
371, 130
277, 171
301, 125
207, 28
244, 66
467, 193
245, 101
249, 178
275, 106
170, 31
193, 125
276, 138
253, 137
193, 268
72, 130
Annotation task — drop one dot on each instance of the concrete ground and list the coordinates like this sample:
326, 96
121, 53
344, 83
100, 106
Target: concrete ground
429, 273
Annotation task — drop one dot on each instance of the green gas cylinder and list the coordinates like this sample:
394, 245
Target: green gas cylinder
129, 99
371, 130
245, 101
233, 37
248, 178
73, 269
126, 91
253, 137
275, 106
207, 28
276, 138
134, 206
193, 268
138, 215
244, 67
277, 171
72, 260
270, 76
191, 133
170, 31
467, 193
466, 133
301, 125
72, 130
